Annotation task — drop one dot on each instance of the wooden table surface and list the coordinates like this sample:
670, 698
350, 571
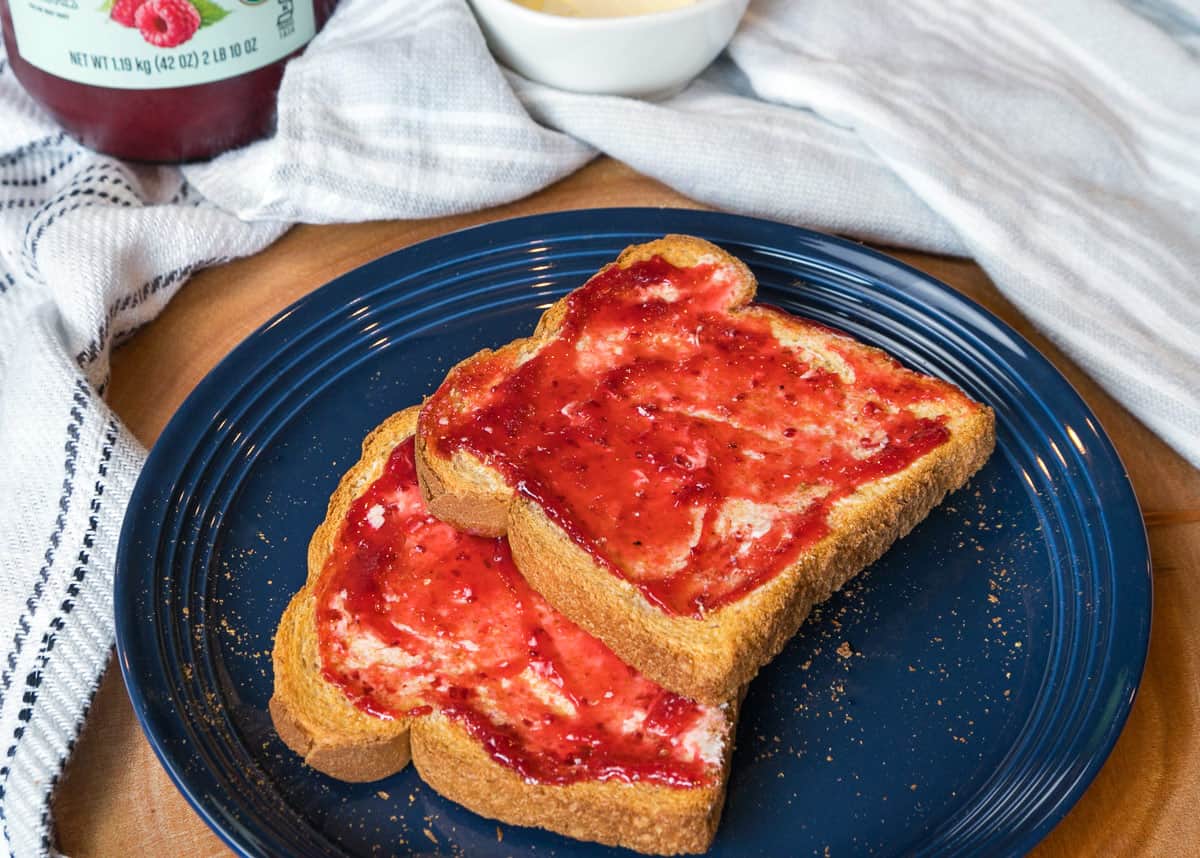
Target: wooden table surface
115, 799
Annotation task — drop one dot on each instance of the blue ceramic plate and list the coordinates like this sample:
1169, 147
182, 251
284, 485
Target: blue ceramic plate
957, 698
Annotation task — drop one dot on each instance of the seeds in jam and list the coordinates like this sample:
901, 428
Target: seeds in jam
694, 450
413, 615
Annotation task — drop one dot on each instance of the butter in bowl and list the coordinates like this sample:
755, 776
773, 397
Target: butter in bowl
603, 8
646, 48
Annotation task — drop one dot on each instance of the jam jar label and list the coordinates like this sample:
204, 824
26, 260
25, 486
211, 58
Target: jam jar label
155, 44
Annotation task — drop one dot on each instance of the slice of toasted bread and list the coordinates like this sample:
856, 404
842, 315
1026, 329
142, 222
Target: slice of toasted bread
316, 718
495, 457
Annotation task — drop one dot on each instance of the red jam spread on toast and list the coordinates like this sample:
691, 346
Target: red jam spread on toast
694, 450
413, 615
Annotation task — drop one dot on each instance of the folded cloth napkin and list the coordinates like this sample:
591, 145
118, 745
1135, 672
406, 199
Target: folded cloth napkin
1054, 143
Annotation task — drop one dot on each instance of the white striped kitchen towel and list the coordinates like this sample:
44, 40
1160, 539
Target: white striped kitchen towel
1055, 143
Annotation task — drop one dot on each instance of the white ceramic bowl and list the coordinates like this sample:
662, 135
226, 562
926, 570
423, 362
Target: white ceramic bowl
640, 55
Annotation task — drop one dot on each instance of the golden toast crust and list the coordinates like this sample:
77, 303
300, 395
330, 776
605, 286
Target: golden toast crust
706, 659
315, 720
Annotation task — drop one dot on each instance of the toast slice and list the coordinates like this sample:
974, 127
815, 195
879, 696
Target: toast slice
684, 473
411, 640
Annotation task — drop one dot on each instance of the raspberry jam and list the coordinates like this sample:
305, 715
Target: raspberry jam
683, 445
158, 80
413, 615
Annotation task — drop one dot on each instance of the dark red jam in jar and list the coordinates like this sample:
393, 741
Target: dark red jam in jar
159, 80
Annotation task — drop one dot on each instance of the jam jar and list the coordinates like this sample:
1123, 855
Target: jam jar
158, 80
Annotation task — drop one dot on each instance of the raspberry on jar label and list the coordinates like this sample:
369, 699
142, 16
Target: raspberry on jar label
167, 23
